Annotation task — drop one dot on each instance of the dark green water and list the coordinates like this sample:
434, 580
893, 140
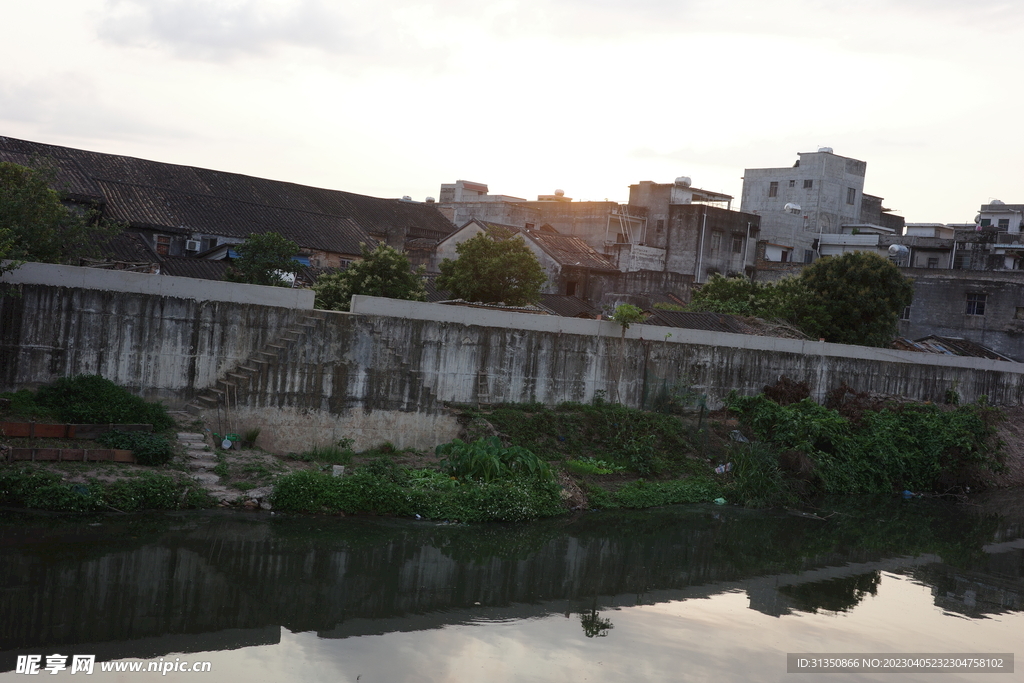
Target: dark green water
687, 593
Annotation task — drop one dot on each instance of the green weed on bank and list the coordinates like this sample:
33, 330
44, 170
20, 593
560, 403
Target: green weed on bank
40, 490
429, 494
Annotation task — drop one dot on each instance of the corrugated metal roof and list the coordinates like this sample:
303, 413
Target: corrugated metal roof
950, 346
568, 251
712, 322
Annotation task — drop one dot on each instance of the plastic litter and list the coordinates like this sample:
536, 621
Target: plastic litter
737, 435
722, 469
719, 501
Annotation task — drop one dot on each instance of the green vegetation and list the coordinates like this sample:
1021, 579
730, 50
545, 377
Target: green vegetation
642, 442
591, 466
855, 298
383, 271
264, 259
88, 399
917, 447
38, 489
493, 269
487, 460
427, 493
149, 449
339, 453
35, 225
645, 494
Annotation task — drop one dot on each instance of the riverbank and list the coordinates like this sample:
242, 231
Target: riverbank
528, 461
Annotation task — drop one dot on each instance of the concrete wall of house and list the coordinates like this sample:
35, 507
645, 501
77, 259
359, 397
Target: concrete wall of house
700, 240
940, 307
492, 210
824, 203
384, 371
587, 220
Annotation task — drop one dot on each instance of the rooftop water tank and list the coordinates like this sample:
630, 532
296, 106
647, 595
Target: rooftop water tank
683, 181
792, 208
827, 150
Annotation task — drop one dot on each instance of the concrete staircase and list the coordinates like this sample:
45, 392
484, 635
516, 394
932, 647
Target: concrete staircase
418, 393
253, 371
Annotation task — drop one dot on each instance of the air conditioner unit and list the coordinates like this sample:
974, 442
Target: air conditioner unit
192, 245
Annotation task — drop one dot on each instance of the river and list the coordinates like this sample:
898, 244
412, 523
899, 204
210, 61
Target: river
701, 593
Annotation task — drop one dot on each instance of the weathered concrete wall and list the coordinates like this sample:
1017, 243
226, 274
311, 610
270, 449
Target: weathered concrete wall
158, 285
385, 371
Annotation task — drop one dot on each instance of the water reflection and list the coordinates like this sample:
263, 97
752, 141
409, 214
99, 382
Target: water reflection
148, 586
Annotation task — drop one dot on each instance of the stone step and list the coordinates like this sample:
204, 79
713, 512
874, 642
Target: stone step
190, 436
206, 478
193, 409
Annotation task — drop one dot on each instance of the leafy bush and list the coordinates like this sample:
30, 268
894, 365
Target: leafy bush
487, 460
330, 454
149, 449
23, 404
91, 399
917, 447
757, 480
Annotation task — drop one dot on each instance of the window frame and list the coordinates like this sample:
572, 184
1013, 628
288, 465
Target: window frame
773, 188
975, 303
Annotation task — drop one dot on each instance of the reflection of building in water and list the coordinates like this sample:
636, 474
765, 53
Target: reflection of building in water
223, 583
995, 588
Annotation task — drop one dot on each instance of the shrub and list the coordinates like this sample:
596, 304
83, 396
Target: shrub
487, 460
149, 449
91, 399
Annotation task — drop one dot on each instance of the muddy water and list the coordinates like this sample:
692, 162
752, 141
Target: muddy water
689, 593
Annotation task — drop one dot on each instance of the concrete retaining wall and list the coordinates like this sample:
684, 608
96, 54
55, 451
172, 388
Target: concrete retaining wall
385, 371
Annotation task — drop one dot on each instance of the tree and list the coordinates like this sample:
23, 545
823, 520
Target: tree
501, 269
855, 298
859, 297
36, 225
264, 259
383, 271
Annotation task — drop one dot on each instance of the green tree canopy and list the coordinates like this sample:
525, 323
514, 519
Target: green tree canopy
35, 225
858, 297
264, 259
493, 270
855, 298
383, 271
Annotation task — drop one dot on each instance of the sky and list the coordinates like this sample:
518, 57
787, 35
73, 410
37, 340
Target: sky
394, 98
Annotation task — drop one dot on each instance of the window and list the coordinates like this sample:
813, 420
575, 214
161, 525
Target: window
959, 261
773, 189
529, 226
975, 303
905, 315
163, 245
933, 262
1019, 315
716, 240
570, 288
808, 256
661, 225
808, 184
792, 183
851, 195
1004, 223
737, 244
784, 258
985, 222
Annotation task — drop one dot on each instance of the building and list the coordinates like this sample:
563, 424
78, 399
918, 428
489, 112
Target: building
819, 195
183, 211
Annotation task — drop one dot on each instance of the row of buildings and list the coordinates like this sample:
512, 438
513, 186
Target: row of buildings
666, 239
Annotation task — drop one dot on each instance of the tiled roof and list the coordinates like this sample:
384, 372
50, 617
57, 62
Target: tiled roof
186, 266
186, 199
129, 247
568, 251
567, 306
